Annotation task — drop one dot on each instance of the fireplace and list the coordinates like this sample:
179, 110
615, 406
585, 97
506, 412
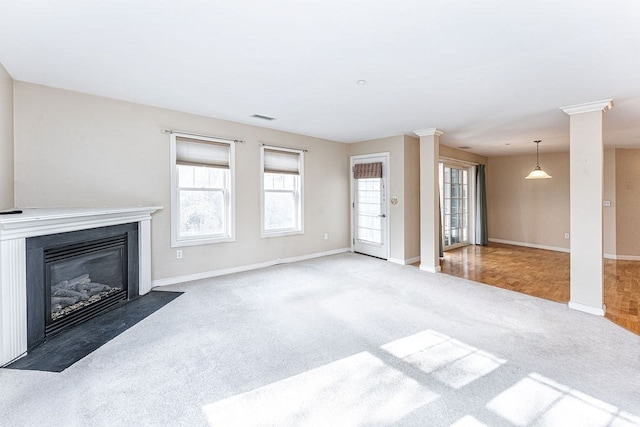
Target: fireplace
75, 276
16, 324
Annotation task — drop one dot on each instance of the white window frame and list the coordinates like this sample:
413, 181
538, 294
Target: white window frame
299, 199
230, 204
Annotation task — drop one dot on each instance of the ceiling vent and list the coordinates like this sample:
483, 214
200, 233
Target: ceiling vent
260, 116
465, 147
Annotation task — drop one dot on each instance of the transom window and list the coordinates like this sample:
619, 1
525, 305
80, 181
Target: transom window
202, 196
282, 181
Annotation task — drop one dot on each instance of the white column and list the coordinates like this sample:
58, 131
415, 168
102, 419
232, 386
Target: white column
586, 187
429, 209
144, 251
13, 299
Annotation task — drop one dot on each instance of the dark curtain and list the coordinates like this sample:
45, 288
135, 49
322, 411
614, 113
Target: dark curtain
482, 235
441, 246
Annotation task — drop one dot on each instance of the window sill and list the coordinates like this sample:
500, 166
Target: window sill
266, 235
204, 241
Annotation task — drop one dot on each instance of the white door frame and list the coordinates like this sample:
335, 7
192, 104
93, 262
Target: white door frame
385, 180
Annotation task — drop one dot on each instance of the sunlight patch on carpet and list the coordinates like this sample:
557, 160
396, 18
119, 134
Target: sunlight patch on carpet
541, 401
364, 390
447, 360
468, 421
357, 390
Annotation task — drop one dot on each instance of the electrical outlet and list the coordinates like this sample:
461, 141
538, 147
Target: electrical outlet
606, 203
326, 236
566, 235
179, 254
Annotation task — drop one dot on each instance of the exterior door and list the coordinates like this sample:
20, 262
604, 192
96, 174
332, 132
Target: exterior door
369, 204
454, 193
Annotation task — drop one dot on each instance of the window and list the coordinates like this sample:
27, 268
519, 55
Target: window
202, 190
282, 180
369, 203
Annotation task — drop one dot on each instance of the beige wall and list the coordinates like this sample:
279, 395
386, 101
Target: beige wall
537, 212
6, 140
609, 213
454, 153
627, 204
532, 212
412, 197
74, 149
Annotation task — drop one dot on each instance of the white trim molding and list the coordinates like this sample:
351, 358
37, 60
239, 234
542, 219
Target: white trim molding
144, 256
40, 221
428, 132
588, 309
13, 299
224, 271
589, 107
622, 257
530, 245
412, 260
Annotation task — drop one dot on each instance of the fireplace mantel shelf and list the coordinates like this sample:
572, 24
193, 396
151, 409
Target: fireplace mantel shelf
41, 221
15, 229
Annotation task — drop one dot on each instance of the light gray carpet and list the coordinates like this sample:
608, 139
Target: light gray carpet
343, 340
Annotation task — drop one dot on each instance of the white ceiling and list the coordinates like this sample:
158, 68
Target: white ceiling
486, 72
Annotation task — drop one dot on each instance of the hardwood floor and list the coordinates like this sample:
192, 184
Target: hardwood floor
545, 274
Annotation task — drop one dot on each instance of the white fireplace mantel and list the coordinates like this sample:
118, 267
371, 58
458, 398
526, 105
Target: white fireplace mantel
16, 228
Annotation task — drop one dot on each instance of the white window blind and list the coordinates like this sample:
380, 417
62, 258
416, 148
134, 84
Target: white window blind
197, 152
277, 161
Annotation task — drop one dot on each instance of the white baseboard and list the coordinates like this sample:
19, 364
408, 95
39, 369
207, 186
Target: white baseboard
622, 257
404, 261
557, 249
430, 269
530, 245
412, 260
588, 309
225, 271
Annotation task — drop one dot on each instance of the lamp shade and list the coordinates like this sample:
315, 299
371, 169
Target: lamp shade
537, 173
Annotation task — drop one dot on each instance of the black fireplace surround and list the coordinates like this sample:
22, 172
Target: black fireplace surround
75, 276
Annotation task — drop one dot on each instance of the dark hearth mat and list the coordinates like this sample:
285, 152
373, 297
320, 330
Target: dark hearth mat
63, 350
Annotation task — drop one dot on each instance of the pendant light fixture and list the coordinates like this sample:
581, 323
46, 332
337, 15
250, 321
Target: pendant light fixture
537, 173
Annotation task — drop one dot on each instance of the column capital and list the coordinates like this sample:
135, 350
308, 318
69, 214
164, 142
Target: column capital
604, 105
428, 132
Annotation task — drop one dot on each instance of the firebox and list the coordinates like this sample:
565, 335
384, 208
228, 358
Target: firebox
73, 277
83, 279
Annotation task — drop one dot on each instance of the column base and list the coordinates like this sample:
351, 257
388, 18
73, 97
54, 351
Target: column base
430, 269
588, 309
